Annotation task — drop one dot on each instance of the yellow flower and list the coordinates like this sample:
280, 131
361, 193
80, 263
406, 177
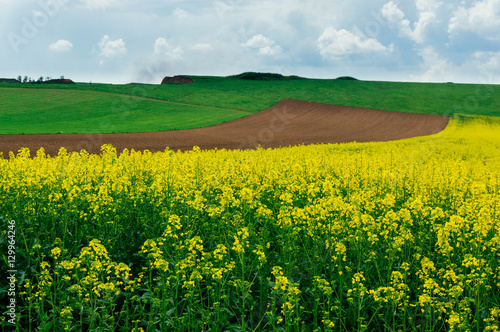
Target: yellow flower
67, 311
56, 252
237, 246
44, 265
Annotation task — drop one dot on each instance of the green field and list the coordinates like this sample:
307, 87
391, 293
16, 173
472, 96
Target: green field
42, 111
97, 108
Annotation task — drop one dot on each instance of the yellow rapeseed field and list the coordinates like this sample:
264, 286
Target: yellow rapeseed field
395, 236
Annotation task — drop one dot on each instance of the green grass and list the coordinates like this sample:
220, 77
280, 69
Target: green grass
42, 111
228, 95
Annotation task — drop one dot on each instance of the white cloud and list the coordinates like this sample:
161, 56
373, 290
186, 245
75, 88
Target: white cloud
180, 13
434, 64
202, 47
488, 63
162, 47
258, 41
61, 46
270, 50
392, 13
481, 67
265, 45
419, 34
427, 5
112, 48
334, 43
482, 18
435, 67
426, 16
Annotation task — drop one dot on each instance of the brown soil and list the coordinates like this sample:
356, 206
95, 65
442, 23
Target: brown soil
290, 122
59, 81
177, 80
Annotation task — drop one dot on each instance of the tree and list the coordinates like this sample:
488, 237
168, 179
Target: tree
20, 78
25, 79
40, 79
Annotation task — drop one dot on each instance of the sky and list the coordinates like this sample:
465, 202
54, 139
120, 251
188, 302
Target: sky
122, 41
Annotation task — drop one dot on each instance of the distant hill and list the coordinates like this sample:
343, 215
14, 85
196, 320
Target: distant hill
346, 78
265, 77
9, 80
59, 81
177, 80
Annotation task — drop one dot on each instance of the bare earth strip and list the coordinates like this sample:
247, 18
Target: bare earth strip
290, 122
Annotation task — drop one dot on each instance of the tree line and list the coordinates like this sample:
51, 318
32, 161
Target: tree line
41, 79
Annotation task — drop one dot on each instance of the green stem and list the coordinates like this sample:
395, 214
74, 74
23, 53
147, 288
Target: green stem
243, 290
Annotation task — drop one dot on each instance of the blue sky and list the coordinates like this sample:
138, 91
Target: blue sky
121, 41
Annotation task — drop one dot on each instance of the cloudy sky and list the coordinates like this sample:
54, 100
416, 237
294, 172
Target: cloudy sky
120, 41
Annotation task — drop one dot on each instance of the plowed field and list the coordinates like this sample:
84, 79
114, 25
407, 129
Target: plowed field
290, 122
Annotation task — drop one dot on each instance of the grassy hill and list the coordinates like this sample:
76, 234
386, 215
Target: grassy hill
43, 111
83, 108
